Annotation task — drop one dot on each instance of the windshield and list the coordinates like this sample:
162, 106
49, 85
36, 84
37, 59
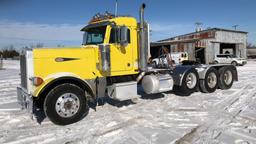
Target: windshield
94, 35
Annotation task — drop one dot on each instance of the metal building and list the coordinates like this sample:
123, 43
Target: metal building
203, 45
251, 52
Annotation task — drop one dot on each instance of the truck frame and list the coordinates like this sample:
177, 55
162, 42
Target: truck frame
112, 61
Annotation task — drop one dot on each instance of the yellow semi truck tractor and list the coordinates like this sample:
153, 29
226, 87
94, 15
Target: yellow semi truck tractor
113, 62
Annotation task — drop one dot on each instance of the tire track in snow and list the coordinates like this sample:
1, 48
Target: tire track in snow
211, 130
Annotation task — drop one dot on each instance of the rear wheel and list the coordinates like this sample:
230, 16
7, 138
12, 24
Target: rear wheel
226, 77
189, 83
66, 104
210, 83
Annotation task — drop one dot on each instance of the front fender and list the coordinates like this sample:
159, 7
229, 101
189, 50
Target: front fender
57, 77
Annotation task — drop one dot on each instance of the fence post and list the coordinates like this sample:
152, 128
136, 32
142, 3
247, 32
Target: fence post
1, 62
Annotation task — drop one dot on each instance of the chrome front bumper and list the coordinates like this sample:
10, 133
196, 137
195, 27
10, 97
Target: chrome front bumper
25, 100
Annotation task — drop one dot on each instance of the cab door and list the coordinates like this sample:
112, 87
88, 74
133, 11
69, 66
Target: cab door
120, 54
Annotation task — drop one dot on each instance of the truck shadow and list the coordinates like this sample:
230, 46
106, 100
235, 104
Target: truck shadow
117, 103
39, 115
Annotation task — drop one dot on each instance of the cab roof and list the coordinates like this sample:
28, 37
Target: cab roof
121, 20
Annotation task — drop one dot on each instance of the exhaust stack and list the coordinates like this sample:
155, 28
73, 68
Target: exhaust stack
143, 41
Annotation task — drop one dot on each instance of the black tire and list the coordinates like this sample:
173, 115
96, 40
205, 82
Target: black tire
210, 83
53, 99
226, 77
234, 63
184, 89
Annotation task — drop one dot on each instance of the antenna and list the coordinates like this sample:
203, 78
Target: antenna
198, 26
235, 27
116, 8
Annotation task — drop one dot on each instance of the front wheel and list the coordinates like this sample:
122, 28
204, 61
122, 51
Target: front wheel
189, 83
226, 77
66, 104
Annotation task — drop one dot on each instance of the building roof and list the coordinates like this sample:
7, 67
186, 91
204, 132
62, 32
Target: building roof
160, 43
207, 30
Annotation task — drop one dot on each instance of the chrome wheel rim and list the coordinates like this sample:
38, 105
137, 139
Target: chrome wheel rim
67, 105
191, 80
228, 77
212, 80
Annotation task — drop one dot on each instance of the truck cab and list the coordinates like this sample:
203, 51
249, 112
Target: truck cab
109, 54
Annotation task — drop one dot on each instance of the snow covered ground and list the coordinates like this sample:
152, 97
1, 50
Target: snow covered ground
222, 117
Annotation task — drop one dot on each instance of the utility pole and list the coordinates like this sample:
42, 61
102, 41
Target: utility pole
198, 26
116, 8
235, 27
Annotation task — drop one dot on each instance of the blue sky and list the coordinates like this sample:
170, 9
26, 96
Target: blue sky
53, 22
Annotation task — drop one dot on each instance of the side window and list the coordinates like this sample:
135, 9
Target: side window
95, 38
114, 36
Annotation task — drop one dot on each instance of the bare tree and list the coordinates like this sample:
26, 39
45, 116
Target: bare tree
59, 45
9, 52
250, 45
39, 45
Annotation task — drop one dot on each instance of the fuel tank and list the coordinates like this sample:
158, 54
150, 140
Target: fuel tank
153, 84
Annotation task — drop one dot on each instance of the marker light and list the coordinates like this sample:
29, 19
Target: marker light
37, 81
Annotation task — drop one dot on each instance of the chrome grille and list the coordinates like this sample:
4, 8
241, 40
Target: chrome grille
23, 71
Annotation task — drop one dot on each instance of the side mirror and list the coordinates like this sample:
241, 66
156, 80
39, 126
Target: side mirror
120, 34
123, 35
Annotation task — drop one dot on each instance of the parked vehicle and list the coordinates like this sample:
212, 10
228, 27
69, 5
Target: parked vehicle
114, 60
177, 57
229, 59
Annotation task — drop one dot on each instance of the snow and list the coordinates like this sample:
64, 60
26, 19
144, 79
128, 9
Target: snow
11, 64
227, 116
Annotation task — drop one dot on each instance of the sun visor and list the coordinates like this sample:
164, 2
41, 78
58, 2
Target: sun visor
95, 25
